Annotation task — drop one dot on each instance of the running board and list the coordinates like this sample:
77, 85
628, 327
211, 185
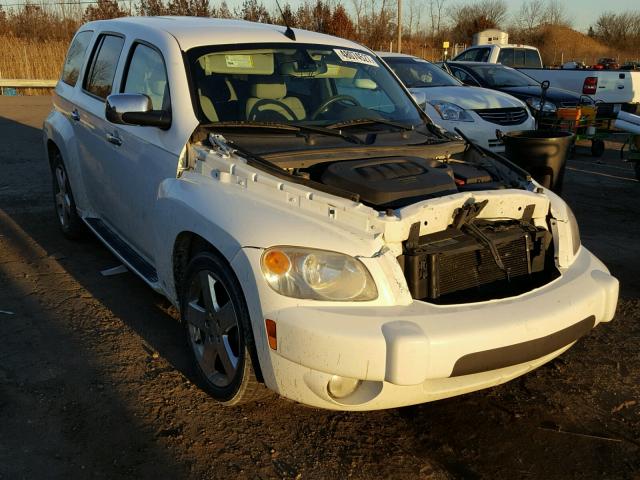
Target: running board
123, 251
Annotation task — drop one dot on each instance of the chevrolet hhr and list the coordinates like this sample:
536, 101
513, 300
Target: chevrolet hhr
320, 236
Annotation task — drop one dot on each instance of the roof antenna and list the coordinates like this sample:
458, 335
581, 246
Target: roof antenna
288, 32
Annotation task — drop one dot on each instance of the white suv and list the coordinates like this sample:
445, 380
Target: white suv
317, 232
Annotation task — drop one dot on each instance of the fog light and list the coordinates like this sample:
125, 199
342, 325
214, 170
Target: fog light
340, 387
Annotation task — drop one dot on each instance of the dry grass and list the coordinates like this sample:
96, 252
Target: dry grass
559, 44
24, 58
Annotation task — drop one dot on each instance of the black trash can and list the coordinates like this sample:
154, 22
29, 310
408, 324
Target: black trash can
541, 153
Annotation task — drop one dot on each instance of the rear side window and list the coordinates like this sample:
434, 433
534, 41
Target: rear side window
146, 74
75, 57
99, 80
532, 59
505, 57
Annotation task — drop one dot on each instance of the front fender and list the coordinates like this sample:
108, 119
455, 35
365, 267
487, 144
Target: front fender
230, 217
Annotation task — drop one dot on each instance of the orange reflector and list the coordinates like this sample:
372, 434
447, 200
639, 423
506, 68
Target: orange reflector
271, 333
277, 262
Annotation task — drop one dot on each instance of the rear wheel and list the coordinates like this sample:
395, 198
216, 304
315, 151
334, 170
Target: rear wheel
68, 219
218, 331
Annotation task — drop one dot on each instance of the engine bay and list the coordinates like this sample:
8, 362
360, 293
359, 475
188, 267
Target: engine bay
394, 182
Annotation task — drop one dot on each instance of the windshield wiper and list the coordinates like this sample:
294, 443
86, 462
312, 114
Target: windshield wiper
370, 121
285, 127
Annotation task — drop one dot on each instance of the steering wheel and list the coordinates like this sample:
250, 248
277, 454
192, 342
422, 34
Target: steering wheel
270, 114
331, 101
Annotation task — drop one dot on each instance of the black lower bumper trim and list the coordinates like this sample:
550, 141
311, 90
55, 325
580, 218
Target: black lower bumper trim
521, 352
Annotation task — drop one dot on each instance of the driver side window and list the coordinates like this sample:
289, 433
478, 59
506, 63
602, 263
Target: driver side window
464, 77
146, 74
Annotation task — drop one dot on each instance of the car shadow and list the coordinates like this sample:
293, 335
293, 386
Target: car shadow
494, 433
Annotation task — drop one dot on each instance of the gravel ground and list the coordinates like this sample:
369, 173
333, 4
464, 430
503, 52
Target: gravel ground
95, 380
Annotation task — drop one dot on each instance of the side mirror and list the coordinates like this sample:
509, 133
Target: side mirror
135, 109
420, 98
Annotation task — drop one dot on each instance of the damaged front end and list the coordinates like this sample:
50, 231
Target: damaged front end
475, 260
465, 225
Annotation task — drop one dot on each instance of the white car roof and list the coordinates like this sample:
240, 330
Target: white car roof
193, 32
394, 54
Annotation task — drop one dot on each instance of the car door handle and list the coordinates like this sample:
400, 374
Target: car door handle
115, 139
75, 116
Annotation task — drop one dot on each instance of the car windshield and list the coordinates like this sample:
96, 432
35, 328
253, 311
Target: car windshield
416, 73
296, 84
498, 76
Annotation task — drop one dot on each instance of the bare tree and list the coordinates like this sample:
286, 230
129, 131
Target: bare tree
530, 15
436, 9
471, 18
555, 14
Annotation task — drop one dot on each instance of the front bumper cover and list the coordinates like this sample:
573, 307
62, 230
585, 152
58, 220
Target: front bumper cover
453, 348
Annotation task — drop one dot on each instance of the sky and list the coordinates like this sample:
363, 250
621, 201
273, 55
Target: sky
582, 13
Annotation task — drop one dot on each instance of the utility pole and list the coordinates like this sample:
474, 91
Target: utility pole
399, 26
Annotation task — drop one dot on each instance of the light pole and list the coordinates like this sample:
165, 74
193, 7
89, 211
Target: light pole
399, 26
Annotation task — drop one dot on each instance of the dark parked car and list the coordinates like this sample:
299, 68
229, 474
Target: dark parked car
607, 64
630, 66
516, 83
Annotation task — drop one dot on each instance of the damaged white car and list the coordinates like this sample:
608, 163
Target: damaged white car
319, 235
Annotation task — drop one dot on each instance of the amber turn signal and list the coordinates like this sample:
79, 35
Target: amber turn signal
271, 333
276, 262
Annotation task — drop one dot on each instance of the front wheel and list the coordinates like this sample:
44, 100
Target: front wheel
218, 330
637, 169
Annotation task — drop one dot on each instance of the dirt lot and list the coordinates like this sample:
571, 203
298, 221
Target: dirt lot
94, 378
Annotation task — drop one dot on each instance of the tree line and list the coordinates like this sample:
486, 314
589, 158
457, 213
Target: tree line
426, 23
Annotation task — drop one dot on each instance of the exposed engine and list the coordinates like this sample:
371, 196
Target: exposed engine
393, 182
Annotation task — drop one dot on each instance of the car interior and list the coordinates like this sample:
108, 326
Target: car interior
284, 86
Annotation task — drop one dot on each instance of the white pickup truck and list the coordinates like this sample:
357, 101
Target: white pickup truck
607, 86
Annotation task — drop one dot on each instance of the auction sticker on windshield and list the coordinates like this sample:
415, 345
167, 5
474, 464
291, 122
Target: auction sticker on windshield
355, 57
239, 61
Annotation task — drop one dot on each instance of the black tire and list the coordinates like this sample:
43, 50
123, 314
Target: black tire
597, 148
636, 166
218, 331
64, 204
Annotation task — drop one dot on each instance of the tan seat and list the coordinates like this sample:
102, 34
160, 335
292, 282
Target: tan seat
269, 102
216, 95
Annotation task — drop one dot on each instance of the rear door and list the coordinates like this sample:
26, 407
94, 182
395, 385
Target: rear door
92, 129
64, 97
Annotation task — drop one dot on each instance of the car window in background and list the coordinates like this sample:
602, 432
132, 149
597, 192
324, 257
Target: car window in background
518, 57
505, 57
497, 76
474, 55
99, 81
147, 75
416, 73
532, 59
464, 77
75, 57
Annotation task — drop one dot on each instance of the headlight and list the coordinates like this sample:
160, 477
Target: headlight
546, 107
451, 111
575, 231
317, 274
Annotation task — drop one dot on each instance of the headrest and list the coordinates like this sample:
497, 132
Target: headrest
271, 91
215, 87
